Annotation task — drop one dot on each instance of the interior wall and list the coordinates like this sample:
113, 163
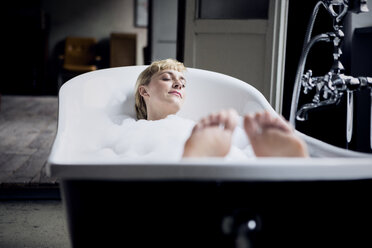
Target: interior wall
92, 18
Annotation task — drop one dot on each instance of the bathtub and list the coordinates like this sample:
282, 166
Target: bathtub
321, 201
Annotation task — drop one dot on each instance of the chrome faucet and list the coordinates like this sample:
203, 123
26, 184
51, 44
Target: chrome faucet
328, 89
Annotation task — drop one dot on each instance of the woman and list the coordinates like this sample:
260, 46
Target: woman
161, 91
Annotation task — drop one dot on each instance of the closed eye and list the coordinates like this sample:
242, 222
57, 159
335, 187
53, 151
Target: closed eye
170, 76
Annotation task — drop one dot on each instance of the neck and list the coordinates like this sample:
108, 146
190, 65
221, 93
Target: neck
156, 115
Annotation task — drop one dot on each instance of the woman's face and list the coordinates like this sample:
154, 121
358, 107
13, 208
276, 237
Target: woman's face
165, 93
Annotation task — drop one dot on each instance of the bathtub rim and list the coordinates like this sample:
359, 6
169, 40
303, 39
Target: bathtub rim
263, 169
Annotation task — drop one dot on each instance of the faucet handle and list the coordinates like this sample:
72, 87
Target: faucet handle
307, 81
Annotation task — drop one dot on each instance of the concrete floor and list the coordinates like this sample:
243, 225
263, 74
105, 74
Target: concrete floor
28, 125
30, 224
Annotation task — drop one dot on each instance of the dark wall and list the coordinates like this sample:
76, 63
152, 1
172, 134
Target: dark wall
25, 46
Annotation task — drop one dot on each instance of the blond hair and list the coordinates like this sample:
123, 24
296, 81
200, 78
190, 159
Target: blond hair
145, 77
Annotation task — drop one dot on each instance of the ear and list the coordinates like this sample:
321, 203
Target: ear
143, 91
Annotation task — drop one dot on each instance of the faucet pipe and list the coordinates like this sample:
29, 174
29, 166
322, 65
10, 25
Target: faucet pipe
329, 6
301, 66
332, 86
310, 25
299, 74
302, 113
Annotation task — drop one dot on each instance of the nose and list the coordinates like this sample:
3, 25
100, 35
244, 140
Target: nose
177, 84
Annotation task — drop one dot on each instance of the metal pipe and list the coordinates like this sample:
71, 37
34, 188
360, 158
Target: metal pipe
302, 113
301, 67
349, 116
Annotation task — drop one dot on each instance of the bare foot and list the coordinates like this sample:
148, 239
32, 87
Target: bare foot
211, 136
273, 137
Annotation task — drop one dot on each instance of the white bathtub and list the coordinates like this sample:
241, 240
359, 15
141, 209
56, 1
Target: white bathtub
320, 201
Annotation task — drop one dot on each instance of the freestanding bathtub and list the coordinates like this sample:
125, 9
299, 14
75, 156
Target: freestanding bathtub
323, 201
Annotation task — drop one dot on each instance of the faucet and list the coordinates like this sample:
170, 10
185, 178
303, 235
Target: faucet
331, 87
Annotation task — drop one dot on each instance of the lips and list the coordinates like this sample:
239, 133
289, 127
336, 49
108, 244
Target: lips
175, 93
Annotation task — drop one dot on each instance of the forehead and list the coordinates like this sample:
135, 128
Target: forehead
170, 72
